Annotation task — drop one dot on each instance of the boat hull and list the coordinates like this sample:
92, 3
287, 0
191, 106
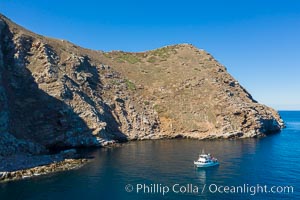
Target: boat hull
203, 165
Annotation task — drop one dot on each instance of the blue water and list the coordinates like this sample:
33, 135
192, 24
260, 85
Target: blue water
270, 161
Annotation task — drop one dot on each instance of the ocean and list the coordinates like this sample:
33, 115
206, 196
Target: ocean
263, 168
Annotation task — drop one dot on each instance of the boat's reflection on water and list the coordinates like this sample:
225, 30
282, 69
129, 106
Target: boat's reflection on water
204, 173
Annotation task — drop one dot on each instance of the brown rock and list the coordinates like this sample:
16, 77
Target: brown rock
86, 97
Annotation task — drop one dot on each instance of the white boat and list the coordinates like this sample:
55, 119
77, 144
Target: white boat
206, 160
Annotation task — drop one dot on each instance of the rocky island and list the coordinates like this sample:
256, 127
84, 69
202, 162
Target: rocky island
56, 96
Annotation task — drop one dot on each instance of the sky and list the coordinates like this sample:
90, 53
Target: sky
257, 40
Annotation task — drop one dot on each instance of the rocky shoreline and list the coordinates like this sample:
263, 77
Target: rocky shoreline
67, 164
22, 166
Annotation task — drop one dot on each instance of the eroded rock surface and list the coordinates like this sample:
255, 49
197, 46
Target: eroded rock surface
56, 96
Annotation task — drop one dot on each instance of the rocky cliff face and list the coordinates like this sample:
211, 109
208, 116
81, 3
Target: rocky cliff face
55, 95
193, 94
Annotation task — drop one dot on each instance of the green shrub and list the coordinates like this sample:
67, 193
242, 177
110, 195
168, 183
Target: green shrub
130, 85
124, 57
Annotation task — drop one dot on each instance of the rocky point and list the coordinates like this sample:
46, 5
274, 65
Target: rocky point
55, 96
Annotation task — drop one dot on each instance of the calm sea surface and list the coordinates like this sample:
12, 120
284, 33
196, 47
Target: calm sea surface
249, 168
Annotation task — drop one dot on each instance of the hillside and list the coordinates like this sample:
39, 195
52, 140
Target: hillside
55, 95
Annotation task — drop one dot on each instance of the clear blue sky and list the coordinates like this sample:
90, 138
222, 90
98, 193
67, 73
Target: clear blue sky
258, 41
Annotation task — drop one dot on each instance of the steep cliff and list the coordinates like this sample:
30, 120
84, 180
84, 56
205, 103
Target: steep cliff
55, 95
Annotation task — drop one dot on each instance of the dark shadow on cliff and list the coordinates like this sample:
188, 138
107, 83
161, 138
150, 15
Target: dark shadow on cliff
41, 118
113, 126
36, 116
93, 86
